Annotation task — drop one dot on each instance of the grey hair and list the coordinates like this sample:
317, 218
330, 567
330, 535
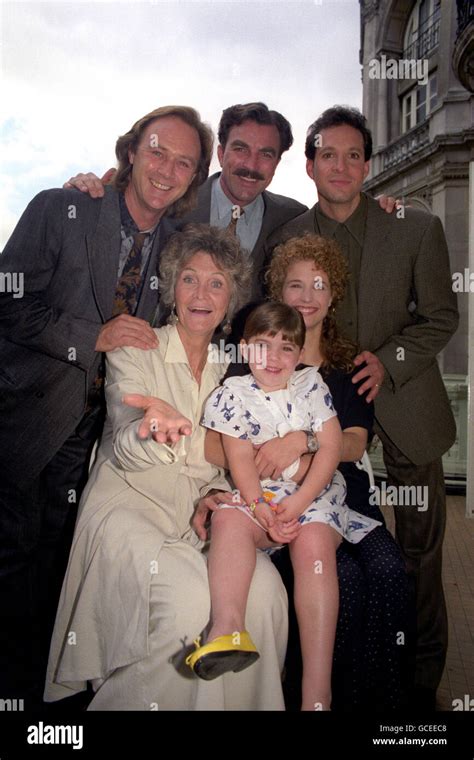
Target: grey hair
226, 252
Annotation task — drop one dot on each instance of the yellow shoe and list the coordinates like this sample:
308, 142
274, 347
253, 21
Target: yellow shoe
233, 652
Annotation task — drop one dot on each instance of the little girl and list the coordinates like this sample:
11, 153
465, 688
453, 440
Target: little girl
312, 517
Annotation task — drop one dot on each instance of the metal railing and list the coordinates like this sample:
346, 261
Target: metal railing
427, 38
465, 13
406, 146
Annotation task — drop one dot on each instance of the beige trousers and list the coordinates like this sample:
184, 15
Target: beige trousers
179, 611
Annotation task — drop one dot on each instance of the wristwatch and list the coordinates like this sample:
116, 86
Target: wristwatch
312, 442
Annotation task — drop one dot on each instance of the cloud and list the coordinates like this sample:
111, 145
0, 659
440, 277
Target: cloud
76, 75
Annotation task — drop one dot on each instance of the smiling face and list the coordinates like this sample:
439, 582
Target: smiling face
308, 290
164, 165
272, 360
202, 295
248, 161
339, 170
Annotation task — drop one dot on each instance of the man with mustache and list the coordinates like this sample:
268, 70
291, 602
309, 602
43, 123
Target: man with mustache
89, 269
252, 140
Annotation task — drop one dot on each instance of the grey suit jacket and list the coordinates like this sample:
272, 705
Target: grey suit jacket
66, 245
407, 313
278, 210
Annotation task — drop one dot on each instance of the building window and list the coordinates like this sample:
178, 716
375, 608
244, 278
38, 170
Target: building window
419, 103
422, 30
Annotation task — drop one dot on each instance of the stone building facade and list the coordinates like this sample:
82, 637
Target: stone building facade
423, 126
417, 60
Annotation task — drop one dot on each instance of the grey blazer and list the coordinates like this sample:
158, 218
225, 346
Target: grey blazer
66, 245
406, 302
278, 210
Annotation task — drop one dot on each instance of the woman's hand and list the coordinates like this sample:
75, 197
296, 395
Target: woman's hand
210, 503
162, 420
275, 455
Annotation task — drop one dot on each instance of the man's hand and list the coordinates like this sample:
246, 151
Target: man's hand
374, 372
126, 330
162, 420
275, 455
90, 183
388, 203
210, 503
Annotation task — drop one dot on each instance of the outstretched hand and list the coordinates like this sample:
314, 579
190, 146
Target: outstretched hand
162, 420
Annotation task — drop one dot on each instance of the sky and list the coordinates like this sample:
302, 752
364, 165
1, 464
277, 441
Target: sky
76, 75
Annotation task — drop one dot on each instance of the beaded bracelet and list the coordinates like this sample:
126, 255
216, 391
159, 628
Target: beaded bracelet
265, 499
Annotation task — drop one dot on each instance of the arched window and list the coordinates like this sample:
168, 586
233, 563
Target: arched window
421, 38
422, 29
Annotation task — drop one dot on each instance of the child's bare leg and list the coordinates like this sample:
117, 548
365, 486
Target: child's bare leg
231, 563
313, 555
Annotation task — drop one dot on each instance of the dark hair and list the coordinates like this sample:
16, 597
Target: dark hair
234, 116
273, 317
131, 139
221, 245
335, 117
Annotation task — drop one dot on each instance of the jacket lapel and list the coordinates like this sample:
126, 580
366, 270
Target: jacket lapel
103, 251
202, 213
372, 272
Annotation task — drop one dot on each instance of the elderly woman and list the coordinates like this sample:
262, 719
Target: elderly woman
310, 274
136, 594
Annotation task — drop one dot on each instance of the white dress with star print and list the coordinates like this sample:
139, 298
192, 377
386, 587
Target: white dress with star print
241, 409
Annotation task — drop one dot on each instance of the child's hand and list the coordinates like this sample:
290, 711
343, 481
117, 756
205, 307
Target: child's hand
264, 514
284, 532
289, 508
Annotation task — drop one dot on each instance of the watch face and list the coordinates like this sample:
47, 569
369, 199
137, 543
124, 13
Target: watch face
312, 444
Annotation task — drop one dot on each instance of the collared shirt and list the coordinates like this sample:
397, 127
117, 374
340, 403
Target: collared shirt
350, 237
163, 372
128, 229
248, 225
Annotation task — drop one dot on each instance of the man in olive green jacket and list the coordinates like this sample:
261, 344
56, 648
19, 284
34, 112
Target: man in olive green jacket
401, 311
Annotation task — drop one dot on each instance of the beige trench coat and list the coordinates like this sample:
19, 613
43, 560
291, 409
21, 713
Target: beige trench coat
136, 593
